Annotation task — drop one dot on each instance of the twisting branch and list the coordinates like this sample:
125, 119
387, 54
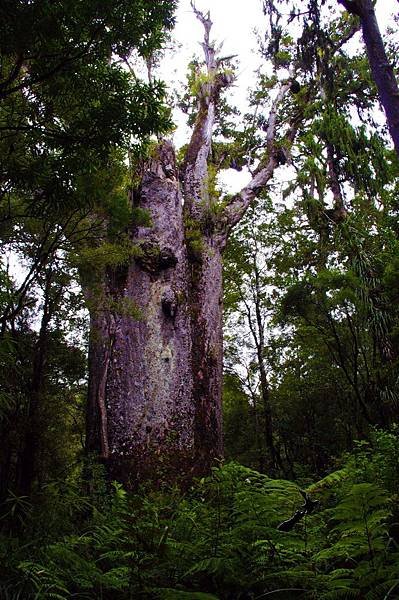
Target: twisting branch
239, 203
306, 509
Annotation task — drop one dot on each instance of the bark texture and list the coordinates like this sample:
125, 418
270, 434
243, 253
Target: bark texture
154, 409
141, 380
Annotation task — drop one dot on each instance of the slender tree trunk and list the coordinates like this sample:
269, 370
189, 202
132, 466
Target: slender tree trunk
267, 413
29, 470
381, 69
259, 340
260, 450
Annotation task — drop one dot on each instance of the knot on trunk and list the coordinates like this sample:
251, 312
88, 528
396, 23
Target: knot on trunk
167, 258
167, 158
169, 302
163, 161
154, 259
224, 79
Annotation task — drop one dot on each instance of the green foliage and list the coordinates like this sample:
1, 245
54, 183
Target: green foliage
239, 442
194, 238
69, 115
326, 289
218, 540
107, 254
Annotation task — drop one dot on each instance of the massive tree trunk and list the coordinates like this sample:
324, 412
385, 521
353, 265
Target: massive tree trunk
155, 379
141, 379
154, 407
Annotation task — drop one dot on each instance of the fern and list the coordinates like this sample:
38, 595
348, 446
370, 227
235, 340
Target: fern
384, 591
332, 480
361, 527
173, 594
43, 582
340, 593
220, 540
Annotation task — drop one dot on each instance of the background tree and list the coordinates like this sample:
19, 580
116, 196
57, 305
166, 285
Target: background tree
381, 68
69, 113
332, 365
248, 301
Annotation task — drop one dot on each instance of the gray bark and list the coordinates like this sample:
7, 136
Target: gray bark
140, 397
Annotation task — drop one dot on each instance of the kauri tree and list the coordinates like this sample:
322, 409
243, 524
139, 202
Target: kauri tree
154, 406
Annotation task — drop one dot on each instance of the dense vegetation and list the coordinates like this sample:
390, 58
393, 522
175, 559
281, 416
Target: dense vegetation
306, 503
218, 540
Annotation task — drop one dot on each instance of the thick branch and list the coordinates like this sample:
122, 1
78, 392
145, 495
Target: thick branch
351, 6
239, 203
195, 165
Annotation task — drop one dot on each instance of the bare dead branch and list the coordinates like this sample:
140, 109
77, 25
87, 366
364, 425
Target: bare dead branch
195, 166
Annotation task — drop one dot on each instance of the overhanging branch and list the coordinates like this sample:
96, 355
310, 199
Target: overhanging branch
351, 6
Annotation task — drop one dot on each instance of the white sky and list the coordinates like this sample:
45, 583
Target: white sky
234, 25
234, 22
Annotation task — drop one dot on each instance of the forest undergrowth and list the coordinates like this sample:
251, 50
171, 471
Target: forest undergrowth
218, 540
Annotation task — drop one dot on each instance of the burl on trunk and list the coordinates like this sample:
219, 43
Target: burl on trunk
154, 406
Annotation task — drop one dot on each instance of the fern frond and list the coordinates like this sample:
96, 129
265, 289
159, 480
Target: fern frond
172, 594
332, 479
